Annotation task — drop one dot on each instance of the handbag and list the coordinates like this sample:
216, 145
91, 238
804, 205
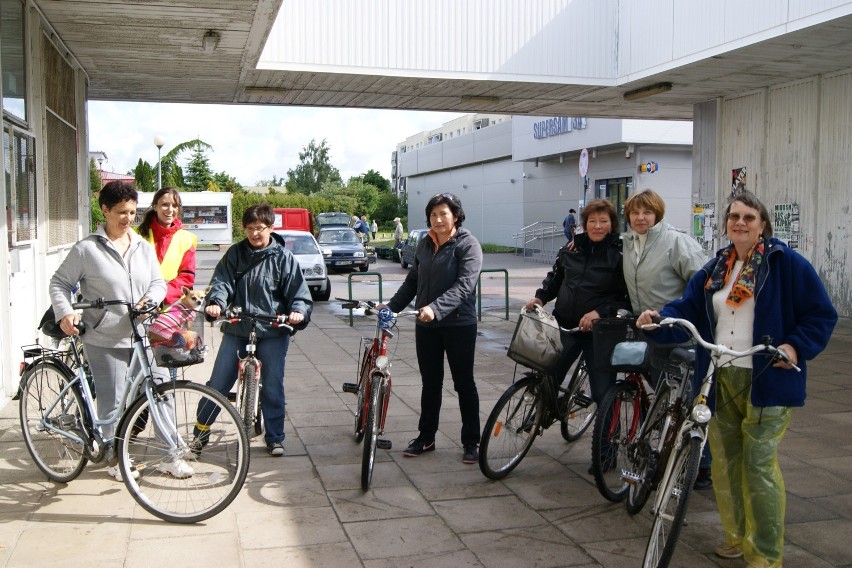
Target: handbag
536, 342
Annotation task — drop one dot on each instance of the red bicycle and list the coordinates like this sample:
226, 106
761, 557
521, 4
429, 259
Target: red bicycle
374, 384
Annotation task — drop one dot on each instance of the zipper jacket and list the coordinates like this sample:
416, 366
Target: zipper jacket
790, 306
584, 279
443, 279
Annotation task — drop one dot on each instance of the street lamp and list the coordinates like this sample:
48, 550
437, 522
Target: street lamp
158, 142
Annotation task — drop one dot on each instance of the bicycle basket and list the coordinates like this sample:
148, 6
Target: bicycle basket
536, 342
619, 346
177, 339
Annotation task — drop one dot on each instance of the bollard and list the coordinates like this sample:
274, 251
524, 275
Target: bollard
479, 290
351, 274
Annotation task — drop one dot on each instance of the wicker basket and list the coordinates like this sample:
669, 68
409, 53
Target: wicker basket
184, 345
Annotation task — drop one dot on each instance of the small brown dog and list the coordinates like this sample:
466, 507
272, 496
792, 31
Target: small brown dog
172, 327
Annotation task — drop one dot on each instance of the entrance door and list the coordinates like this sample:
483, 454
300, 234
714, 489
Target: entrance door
617, 190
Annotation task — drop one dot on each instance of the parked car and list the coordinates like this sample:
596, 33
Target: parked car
310, 257
409, 247
342, 249
335, 219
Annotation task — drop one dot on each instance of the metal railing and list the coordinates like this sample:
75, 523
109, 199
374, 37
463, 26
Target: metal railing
540, 241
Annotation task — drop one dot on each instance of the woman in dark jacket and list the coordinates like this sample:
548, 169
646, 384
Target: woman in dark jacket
443, 280
588, 284
259, 275
756, 287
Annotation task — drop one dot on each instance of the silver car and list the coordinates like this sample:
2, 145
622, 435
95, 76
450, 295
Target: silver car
309, 255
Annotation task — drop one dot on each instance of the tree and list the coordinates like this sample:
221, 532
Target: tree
95, 181
145, 176
366, 195
375, 178
387, 209
198, 173
171, 171
228, 183
313, 170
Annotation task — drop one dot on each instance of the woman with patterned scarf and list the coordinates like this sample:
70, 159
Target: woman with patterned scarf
754, 287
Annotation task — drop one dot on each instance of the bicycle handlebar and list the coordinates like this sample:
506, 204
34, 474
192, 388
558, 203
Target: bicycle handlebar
370, 309
101, 303
719, 349
236, 315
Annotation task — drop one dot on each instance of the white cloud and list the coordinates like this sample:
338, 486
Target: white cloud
254, 142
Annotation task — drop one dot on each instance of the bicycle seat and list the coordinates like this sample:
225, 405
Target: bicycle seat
682, 355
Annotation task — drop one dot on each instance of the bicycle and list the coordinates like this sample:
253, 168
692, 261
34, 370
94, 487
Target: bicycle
528, 407
63, 431
622, 408
249, 376
374, 384
684, 448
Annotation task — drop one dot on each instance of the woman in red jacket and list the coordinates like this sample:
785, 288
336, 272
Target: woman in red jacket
174, 245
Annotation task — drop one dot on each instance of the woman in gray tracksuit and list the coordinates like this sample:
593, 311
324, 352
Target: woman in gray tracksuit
113, 263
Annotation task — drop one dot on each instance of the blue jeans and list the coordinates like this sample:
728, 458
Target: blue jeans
459, 344
272, 351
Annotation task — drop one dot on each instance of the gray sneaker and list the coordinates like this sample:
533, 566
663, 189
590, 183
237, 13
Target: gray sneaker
275, 449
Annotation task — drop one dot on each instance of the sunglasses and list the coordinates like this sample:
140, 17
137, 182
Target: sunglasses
446, 195
747, 218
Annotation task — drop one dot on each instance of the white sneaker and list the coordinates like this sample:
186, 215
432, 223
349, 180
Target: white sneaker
176, 468
115, 471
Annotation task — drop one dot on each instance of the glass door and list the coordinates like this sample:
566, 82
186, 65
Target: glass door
616, 190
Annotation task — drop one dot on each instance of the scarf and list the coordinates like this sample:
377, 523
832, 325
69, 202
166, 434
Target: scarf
163, 236
743, 287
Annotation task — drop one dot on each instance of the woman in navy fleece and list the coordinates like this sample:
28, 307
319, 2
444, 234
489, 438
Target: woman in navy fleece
754, 287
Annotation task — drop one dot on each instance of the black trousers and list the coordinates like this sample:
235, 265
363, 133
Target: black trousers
572, 345
459, 345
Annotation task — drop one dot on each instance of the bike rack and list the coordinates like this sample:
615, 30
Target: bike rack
479, 290
351, 274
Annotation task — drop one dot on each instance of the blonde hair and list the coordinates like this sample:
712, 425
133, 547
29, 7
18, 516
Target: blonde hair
646, 199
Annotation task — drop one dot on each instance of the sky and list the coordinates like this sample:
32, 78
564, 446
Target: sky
253, 142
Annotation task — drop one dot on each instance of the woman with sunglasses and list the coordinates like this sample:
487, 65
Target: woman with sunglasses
442, 281
755, 287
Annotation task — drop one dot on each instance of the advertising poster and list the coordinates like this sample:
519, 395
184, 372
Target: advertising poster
785, 223
738, 180
704, 224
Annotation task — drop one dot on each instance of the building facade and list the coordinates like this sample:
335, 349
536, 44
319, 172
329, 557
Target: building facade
523, 172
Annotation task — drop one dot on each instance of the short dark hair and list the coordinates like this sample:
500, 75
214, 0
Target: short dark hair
749, 199
600, 206
571, 211
115, 192
453, 202
261, 212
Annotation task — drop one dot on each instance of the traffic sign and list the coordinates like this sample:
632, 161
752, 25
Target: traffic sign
584, 162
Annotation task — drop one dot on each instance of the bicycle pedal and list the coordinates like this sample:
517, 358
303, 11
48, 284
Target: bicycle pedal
232, 397
384, 444
350, 387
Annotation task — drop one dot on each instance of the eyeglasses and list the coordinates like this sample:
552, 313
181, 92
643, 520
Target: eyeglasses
747, 218
447, 195
255, 230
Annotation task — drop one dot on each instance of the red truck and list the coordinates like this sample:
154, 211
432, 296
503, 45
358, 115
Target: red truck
293, 218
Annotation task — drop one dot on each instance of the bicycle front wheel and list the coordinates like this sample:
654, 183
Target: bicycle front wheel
371, 432
207, 469
45, 412
249, 387
644, 454
673, 502
511, 427
580, 408
615, 428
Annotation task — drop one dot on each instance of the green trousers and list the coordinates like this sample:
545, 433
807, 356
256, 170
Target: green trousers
747, 479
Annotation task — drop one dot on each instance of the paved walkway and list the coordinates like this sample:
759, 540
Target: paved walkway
307, 509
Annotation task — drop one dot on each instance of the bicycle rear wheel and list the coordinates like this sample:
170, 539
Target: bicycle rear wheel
371, 432
615, 428
248, 397
218, 461
362, 397
644, 453
511, 427
43, 409
668, 518
581, 408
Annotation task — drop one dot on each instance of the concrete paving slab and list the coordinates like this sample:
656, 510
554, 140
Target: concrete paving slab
487, 513
543, 546
379, 504
333, 554
276, 527
402, 538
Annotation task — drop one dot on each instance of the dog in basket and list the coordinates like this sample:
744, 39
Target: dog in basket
172, 327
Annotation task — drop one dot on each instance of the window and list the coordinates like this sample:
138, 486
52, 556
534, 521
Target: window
13, 60
19, 161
